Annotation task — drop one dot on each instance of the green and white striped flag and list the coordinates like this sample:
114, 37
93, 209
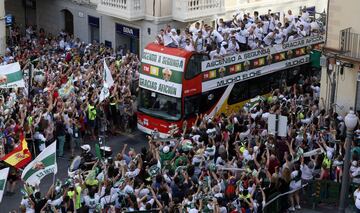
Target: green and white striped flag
11, 76
42, 165
3, 177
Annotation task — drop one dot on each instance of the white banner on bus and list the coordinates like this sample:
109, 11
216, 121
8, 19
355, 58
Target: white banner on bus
160, 86
163, 60
243, 76
253, 54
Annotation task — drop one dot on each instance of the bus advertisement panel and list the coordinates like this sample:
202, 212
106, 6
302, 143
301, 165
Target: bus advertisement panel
162, 73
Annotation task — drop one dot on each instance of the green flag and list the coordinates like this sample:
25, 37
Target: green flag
42, 165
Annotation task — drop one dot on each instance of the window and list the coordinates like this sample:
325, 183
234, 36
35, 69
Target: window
194, 65
202, 103
192, 106
240, 92
159, 105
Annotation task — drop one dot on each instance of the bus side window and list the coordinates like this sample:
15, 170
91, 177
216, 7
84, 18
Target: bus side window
192, 105
239, 93
194, 65
210, 98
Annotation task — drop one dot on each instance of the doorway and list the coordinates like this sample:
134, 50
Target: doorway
68, 21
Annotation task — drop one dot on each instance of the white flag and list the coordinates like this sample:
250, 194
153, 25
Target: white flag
42, 165
104, 92
3, 177
107, 76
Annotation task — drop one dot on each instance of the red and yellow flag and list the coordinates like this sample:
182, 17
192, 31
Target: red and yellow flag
19, 157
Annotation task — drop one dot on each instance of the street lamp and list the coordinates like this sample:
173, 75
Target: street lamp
350, 123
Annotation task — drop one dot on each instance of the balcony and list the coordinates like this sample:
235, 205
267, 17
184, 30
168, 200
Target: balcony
192, 10
130, 10
350, 44
262, 6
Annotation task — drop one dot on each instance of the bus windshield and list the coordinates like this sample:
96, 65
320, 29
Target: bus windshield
159, 105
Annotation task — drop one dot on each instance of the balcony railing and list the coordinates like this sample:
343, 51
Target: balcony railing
130, 10
190, 10
350, 43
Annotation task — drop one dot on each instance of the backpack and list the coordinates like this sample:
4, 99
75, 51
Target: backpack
230, 191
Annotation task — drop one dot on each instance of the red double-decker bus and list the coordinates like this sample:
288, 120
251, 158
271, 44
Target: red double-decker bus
175, 84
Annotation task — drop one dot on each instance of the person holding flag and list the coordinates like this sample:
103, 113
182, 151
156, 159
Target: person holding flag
108, 83
19, 156
42, 165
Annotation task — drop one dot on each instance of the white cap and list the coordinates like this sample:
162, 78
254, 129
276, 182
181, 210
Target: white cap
173, 30
166, 149
128, 189
86, 147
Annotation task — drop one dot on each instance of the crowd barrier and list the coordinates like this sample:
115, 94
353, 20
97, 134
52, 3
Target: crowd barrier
313, 193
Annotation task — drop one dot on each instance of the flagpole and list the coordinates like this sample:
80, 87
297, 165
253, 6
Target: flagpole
54, 174
54, 179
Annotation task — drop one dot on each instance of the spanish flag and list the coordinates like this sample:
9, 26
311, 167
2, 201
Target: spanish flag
19, 157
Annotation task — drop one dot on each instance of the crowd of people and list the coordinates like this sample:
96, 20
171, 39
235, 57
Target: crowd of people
244, 32
63, 101
226, 163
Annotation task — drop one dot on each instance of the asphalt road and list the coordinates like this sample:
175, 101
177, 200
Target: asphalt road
136, 140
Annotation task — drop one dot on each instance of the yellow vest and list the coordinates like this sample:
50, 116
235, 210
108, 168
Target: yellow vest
92, 112
327, 162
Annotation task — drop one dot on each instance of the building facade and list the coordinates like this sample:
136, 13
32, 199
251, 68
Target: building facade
131, 24
340, 88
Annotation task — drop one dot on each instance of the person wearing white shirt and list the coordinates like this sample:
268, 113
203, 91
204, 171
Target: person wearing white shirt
289, 17
189, 46
268, 40
355, 173
306, 25
272, 24
199, 42
91, 201
301, 32
259, 31
242, 35
62, 44
233, 46
194, 30
247, 23
221, 25
252, 40
176, 36
266, 24
169, 40
215, 36
357, 199
28, 205
215, 54
307, 171
279, 37
288, 29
